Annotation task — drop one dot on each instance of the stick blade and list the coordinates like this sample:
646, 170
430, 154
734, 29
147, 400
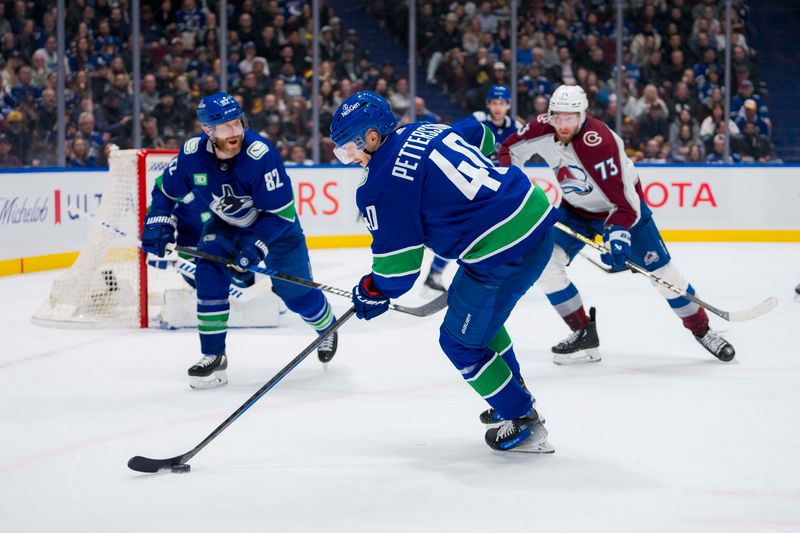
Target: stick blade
150, 466
754, 312
434, 306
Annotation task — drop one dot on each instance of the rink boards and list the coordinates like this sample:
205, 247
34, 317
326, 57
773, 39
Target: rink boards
759, 203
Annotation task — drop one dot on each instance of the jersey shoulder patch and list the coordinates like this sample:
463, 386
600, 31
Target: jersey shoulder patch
191, 146
480, 116
592, 138
596, 133
537, 127
257, 149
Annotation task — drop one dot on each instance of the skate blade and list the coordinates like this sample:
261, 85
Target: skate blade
537, 443
542, 446
590, 355
212, 381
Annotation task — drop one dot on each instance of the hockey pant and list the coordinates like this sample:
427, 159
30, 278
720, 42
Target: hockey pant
647, 249
287, 254
473, 335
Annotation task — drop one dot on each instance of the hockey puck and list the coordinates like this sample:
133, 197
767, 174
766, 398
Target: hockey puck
180, 469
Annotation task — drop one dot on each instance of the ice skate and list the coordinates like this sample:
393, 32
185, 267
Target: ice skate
526, 434
209, 372
580, 346
327, 349
492, 418
718, 346
434, 281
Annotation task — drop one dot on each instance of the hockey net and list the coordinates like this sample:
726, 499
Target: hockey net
109, 285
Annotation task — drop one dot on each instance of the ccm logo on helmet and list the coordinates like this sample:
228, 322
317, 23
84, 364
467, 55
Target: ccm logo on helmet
591, 138
346, 109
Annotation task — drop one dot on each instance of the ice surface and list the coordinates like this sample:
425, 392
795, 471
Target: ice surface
659, 436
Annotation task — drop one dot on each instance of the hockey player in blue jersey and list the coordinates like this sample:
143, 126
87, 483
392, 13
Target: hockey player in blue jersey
424, 185
239, 177
500, 125
496, 117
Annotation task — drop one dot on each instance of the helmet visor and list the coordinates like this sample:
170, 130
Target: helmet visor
232, 128
565, 120
349, 151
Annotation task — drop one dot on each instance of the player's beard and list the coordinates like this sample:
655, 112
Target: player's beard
229, 146
566, 139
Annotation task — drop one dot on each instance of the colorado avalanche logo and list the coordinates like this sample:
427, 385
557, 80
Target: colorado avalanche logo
235, 210
572, 179
592, 139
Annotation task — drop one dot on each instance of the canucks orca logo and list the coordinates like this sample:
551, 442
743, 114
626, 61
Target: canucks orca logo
572, 179
236, 210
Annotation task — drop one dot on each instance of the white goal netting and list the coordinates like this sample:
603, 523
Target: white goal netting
109, 284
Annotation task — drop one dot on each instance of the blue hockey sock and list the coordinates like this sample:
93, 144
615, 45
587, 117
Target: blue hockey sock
313, 308
501, 344
212, 324
495, 383
322, 320
489, 375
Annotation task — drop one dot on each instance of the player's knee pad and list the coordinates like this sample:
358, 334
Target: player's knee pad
465, 358
554, 276
672, 275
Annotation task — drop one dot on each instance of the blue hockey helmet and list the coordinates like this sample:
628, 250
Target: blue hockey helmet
361, 112
218, 108
498, 92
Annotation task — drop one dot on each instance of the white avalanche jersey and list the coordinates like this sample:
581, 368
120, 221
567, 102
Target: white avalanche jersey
597, 179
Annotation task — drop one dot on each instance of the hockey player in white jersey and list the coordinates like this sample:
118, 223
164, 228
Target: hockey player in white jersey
602, 195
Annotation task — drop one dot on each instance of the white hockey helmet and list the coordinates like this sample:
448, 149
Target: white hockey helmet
569, 99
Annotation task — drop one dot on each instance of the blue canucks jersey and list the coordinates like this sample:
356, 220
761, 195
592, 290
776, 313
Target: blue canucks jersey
250, 191
501, 132
476, 133
427, 186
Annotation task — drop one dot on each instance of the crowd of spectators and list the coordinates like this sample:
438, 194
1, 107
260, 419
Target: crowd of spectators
673, 51
268, 72
672, 95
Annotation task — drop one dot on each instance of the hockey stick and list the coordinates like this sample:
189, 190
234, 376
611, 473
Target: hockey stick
437, 304
732, 316
429, 308
184, 267
146, 464
601, 266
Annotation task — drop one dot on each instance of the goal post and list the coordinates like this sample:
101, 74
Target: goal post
109, 285
112, 284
